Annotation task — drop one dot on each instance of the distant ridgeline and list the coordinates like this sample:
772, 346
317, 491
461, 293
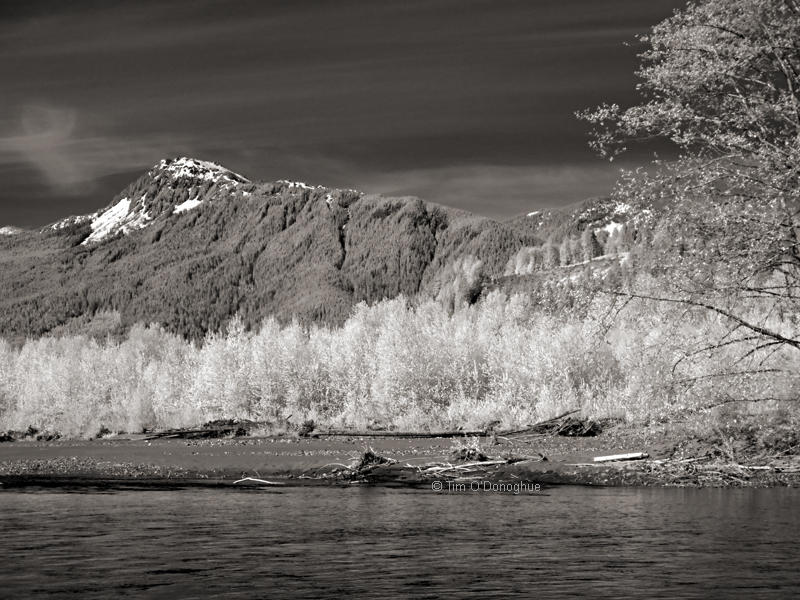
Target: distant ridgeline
190, 244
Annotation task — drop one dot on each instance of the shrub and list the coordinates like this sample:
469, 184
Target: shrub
399, 364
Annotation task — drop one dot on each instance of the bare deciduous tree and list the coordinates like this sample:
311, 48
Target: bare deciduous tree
720, 79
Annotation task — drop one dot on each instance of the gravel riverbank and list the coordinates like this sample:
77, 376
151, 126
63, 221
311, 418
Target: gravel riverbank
543, 459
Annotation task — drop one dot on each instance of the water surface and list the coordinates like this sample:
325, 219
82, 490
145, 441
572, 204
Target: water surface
386, 543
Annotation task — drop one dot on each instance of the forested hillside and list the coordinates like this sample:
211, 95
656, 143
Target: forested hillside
190, 244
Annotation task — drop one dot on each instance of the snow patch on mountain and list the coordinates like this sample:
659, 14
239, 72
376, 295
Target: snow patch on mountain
69, 221
118, 218
10, 230
297, 184
188, 205
106, 221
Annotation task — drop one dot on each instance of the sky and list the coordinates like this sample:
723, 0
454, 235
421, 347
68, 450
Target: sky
469, 103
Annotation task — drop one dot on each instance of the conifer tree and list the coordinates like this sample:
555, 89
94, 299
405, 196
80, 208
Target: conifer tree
589, 244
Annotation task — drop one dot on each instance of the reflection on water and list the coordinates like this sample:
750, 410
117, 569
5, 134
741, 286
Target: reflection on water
374, 542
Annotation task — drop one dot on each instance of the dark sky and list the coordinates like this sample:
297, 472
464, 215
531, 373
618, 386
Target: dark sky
467, 103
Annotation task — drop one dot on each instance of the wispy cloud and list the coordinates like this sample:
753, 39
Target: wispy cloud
69, 155
72, 157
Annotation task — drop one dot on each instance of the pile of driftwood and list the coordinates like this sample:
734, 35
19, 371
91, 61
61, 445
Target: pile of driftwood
30, 434
710, 471
211, 430
363, 469
704, 471
370, 461
564, 424
372, 468
471, 471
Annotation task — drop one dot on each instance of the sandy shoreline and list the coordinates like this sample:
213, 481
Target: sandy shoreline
132, 461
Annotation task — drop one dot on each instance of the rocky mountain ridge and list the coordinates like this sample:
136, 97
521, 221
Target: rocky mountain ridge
189, 244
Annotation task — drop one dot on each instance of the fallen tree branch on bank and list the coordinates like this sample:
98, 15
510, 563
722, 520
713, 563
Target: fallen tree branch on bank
258, 481
400, 434
545, 426
552, 425
621, 457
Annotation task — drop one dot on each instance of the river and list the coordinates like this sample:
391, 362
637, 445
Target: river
317, 542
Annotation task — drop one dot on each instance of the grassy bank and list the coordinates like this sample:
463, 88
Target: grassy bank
404, 365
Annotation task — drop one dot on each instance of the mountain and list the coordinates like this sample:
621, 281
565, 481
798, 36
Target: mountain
171, 186
190, 243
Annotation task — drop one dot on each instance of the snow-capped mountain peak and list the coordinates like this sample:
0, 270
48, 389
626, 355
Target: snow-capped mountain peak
172, 186
184, 167
176, 186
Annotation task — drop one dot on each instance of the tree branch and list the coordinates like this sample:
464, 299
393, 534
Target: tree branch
764, 331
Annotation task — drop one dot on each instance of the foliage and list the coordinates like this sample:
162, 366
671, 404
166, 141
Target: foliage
461, 283
721, 81
395, 364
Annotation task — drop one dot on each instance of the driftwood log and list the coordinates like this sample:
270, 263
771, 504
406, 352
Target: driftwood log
547, 426
621, 457
258, 481
235, 428
200, 433
401, 434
